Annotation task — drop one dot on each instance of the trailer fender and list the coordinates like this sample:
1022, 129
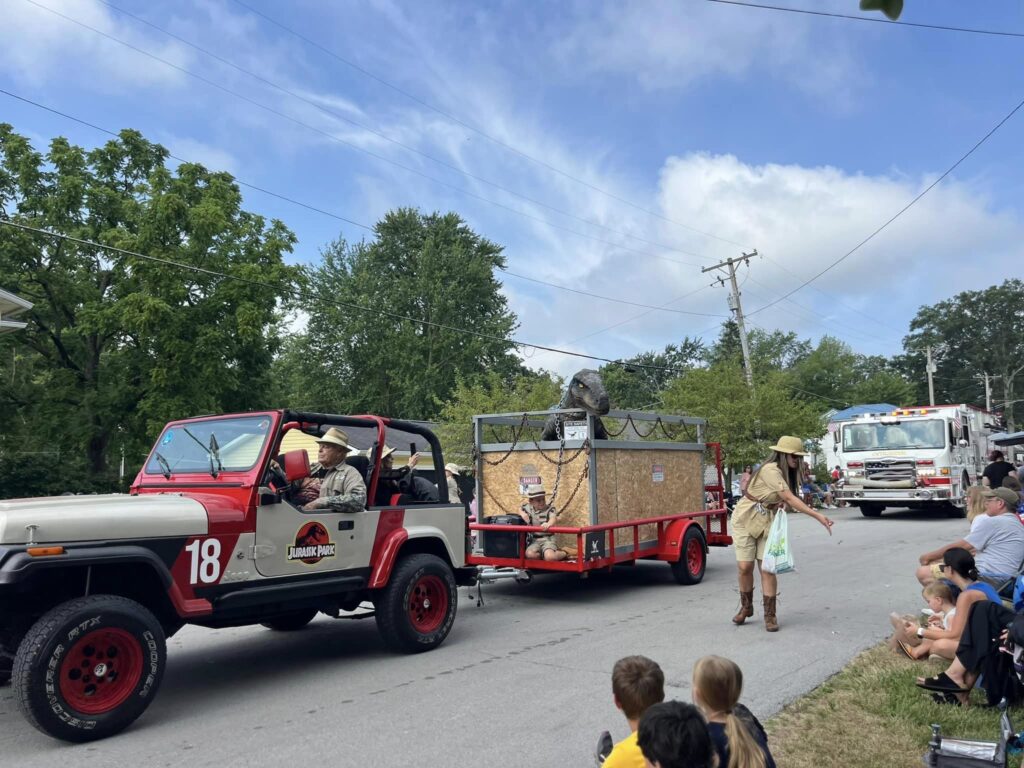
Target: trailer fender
671, 545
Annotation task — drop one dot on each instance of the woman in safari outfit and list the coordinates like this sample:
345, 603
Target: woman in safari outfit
775, 484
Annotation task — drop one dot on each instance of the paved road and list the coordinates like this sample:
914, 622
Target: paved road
524, 680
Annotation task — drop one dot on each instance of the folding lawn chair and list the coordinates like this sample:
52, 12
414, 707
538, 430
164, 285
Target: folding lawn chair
965, 753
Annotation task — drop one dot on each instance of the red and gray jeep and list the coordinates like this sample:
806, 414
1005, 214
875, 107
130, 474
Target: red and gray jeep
91, 586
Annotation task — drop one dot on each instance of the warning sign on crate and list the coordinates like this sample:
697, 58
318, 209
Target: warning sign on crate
574, 430
528, 475
658, 473
593, 543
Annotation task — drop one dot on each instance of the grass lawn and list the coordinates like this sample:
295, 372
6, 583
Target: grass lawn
871, 715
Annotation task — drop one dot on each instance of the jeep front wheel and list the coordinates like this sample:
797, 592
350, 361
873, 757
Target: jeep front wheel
416, 610
89, 667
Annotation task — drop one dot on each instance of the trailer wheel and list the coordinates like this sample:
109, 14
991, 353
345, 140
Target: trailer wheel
871, 510
89, 667
416, 610
693, 560
289, 622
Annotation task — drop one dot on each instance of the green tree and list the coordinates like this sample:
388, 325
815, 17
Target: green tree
365, 357
972, 333
631, 386
491, 393
745, 421
116, 344
769, 350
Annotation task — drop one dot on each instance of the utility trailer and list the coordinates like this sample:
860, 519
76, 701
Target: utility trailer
652, 490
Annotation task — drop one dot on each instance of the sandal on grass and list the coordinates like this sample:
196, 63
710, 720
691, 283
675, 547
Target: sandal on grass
905, 649
942, 683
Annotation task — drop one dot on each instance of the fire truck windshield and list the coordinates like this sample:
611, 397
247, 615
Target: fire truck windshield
930, 433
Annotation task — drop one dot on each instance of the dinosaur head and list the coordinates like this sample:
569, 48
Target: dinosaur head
586, 390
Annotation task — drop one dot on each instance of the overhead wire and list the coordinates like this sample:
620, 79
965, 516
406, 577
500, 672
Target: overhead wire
332, 137
869, 19
320, 297
899, 213
338, 217
474, 129
369, 129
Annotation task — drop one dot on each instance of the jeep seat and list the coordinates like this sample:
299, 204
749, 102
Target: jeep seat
362, 465
296, 465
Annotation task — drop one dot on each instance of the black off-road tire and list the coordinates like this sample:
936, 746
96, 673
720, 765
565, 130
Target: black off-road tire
291, 622
416, 610
871, 510
693, 558
115, 633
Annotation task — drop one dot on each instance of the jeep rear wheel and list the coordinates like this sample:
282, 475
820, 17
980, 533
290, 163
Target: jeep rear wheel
290, 622
89, 667
415, 611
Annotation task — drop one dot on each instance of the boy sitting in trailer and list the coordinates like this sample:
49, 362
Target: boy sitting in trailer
537, 511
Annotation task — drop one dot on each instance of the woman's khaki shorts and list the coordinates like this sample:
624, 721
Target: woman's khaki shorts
746, 546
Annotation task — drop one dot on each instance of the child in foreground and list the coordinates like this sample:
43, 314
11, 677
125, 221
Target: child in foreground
738, 736
637, 683
674, 735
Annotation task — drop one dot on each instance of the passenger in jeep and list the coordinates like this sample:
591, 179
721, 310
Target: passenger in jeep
402, 481
342, 488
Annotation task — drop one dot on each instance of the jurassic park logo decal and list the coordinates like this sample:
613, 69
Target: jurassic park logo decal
312, 544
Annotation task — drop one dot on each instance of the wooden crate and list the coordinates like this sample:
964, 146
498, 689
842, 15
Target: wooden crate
629, 483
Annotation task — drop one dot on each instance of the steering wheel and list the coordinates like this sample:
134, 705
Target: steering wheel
277, 476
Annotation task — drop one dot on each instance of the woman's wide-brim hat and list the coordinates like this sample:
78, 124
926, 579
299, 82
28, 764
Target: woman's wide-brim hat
386, 451
335, 436
790, 444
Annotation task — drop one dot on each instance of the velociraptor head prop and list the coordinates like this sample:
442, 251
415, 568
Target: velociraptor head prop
586, 390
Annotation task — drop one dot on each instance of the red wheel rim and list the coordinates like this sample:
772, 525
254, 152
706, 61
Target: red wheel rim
694, 556
428, 603
100, 671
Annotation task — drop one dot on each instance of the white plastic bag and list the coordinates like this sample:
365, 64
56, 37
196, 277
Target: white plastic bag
778, 555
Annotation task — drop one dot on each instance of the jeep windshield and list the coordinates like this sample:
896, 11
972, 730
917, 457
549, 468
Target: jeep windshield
906, 435
210, 447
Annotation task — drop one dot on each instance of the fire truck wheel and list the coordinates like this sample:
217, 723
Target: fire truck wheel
957, 513
290, 622
693, 558
89, 667
416, 610
871, 510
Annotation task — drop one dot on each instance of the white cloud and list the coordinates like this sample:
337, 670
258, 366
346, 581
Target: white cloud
196, 151
674, 45
39, 47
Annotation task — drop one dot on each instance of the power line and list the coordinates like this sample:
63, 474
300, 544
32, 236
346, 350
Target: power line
899, 213
609, 298
330, 136
871, 19
468, 126
315, 209
299, 293
391, 140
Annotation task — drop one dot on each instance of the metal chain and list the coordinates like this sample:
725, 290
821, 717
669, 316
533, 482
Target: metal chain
583, 476
512, 447
498, 503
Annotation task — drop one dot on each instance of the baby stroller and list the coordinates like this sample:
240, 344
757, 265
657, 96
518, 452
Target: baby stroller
963, 753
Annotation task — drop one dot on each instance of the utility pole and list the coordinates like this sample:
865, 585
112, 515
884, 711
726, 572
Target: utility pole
930, 367
737, 307
988, 390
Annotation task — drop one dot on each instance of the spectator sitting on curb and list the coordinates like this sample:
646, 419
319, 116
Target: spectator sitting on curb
674, 735
739, 738
996, 540
637, 683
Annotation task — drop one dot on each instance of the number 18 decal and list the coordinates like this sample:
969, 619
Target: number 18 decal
205, 561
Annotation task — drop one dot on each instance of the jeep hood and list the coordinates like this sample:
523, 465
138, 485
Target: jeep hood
112, 517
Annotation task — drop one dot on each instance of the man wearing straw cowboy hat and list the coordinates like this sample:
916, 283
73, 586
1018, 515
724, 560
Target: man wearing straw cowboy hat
537, 511
342, 488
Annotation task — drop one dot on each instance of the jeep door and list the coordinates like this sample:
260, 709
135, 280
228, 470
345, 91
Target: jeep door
291, 542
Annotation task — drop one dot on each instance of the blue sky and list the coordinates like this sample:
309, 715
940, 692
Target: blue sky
792, 134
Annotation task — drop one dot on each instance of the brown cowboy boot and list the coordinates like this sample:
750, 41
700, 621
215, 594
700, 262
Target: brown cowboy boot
771, 624
746, 608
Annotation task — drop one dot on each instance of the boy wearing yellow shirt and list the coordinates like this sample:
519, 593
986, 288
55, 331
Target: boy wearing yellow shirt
637, 683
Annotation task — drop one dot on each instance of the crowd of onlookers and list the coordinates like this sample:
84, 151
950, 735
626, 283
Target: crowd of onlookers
716, 731
974, 591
